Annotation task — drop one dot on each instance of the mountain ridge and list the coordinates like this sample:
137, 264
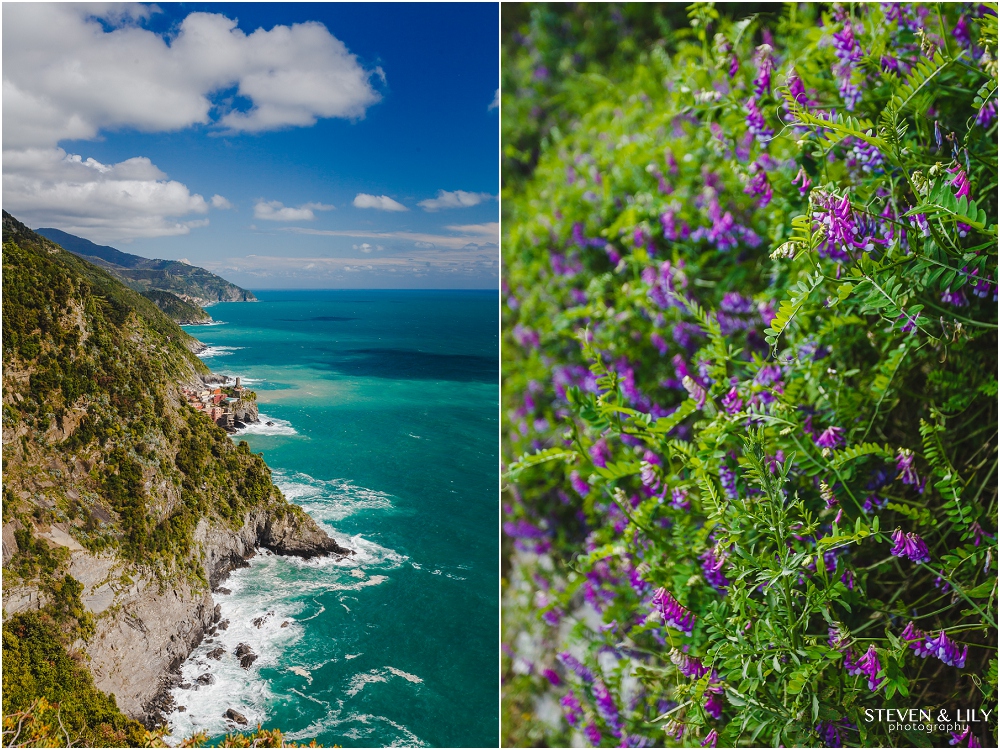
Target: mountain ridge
192, 284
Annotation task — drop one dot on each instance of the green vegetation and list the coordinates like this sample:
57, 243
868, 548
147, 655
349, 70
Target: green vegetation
96, 362
40, 675
749, 373
178, 310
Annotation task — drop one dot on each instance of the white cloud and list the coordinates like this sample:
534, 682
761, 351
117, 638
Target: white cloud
102, 202
454, 199
495, 104
469, 262
367, 248
277, 211
64, 76
381, 202
485, 236
489, 229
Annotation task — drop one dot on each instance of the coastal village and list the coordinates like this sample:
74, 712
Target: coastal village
230, 407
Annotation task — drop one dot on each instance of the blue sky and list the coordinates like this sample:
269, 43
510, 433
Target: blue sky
281, 145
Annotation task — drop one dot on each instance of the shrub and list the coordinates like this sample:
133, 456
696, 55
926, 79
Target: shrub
750, 378
54, 694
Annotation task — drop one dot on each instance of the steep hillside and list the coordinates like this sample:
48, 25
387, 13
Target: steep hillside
179, 311
190, 283
122, 506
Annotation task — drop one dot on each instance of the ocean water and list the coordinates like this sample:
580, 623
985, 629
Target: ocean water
385, 419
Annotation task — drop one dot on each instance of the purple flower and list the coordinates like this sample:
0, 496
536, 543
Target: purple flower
732, 402
523, 530
942, 585
848, 51
606, 707
845, 230
600, 453
648, 474
797, 89
669, 223
711, 739
961, 181
573, 665
869, 666
724, 233
987, 114
831, 438
525, 337
736, 303
977, 533
944, 649
727, 477
552, 676
827, 494
579, 484
756, 124
966, 735
912, 635
712, 562
765, 64
674, 615
571, 705
910, 545
802, 177
689, 666
673, 729
678, 499
864, 158
758, 185
904, 465
695, 390
955, 299
734, 66
961, 32
713, 705
593, 734
553, 617
661, 345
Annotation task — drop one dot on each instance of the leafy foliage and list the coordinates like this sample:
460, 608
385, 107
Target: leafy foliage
749, 373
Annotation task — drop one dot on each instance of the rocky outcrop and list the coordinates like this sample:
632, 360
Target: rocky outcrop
246, 655
9, 540
245, 410
291, 532
145, 629
235, 716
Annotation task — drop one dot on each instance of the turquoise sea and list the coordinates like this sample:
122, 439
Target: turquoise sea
385, 416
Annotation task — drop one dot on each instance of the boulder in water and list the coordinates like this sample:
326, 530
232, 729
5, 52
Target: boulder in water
236, 716
246, 655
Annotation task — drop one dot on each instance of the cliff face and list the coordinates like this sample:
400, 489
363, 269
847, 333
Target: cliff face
123, 506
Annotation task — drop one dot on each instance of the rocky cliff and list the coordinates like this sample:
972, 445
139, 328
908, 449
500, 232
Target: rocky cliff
123, 507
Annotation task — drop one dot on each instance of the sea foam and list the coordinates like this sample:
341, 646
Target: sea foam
329, 499
217, 351
277, 427
261, 591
